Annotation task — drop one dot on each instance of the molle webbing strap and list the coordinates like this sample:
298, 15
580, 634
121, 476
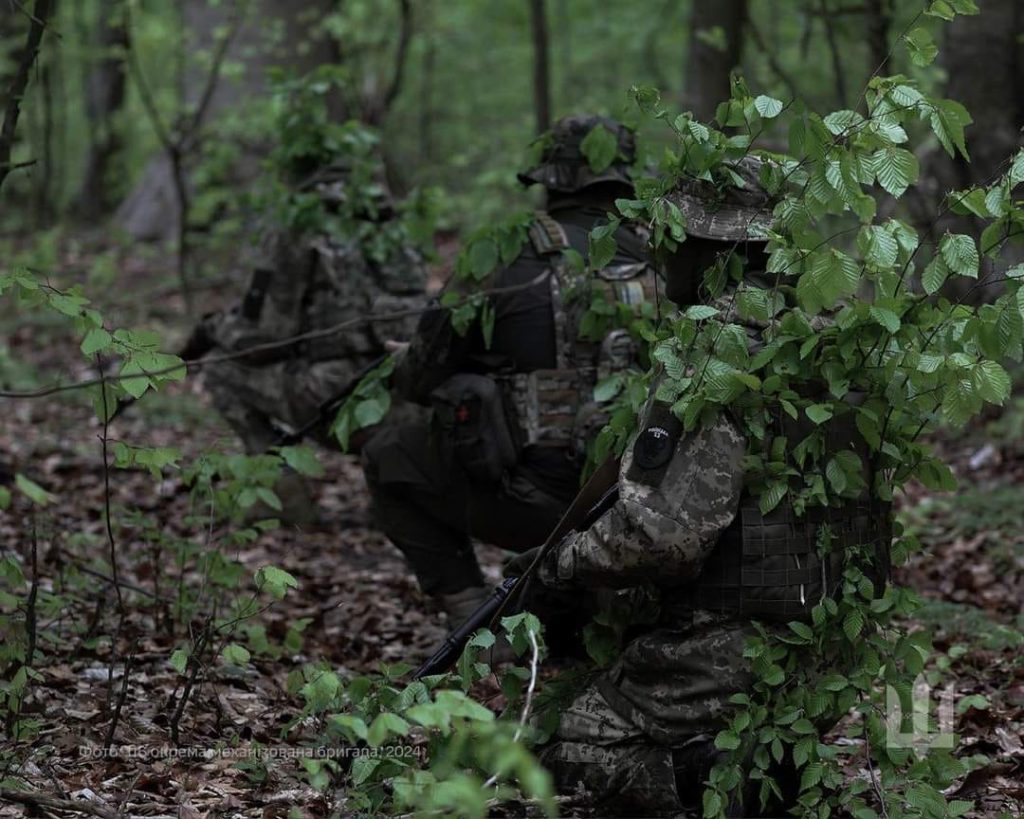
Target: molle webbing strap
547, 236
549, 239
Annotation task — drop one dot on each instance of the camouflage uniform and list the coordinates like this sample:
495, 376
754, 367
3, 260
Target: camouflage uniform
314, 283
685, 531
426, 499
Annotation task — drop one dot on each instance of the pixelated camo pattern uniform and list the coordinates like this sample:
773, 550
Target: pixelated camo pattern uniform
684, 529
316, 283
670, 685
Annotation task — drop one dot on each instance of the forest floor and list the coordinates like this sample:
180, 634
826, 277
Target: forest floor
357, 605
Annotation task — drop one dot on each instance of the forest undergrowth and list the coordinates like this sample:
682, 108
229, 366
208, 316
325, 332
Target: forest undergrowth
357, 605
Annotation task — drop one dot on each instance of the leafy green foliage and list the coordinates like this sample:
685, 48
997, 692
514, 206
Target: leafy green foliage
426, 745
366, 406
915, 359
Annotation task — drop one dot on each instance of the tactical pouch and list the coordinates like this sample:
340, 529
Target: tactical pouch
471, 415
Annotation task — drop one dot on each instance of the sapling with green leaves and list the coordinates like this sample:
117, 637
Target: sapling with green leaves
855, 304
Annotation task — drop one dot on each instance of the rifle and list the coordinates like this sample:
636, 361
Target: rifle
598, 494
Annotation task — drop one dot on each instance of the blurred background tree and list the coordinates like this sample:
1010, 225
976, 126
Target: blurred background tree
457, 89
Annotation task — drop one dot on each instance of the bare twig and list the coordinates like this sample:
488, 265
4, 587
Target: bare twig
527, 701
109, 741
773, 60
290, 341
195, 666
104, 438
16, 90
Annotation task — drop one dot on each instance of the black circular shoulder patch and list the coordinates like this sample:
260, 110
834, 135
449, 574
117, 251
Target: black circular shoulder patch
654, 447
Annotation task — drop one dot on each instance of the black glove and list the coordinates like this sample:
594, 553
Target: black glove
521, 562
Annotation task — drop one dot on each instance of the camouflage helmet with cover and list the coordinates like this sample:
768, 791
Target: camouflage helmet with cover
731, 210
564, 166
738, 209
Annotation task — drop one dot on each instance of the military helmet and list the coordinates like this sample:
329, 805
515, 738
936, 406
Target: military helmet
564, 168
736, 212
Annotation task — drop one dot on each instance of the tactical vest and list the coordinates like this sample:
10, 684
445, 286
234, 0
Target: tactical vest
556, 407
344, 284
770, 566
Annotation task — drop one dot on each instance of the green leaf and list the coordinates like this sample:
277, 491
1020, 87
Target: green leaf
384, 726
921, 47
895, 168
275, 581
607, 388
602, 248
303, 460
698, 312
879, 246
948, 120
811, 776
483, 257
819, 413
886, 317
600, 148
95, 340
941, 9
935, 275
960, 254
33, 491
768, 107
853, 624
179, 660
993, 382
235, 654
772, 496
836, 476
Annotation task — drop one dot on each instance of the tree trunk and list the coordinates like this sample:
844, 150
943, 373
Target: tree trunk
541, 72
19, 82
879, 21
148, 213
709, 62
984, 59
104, 99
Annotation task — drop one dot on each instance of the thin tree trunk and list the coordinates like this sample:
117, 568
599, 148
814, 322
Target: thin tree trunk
104, 99
879, 21
426, 128
708, 66
16, 91
838, 74
982, 57
541, 62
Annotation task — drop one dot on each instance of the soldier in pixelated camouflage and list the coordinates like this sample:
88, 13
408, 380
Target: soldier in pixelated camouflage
685, 535
502, 455
307, 281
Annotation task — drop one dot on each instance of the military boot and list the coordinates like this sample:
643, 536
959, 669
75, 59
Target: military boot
459, 607
298, 508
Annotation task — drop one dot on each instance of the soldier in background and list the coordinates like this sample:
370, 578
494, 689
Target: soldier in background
353, 260
687, 539
503, 453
